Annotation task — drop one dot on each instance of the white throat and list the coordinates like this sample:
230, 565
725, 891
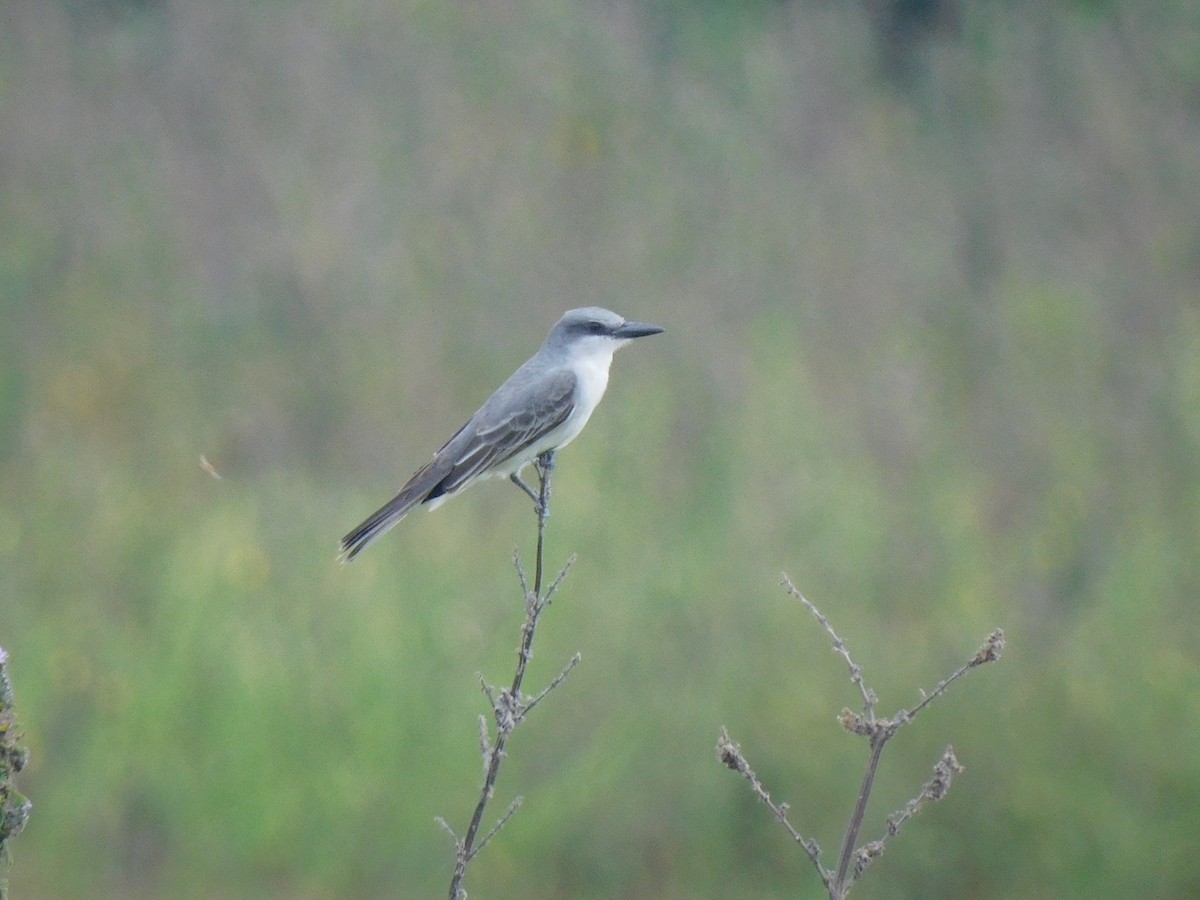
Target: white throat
591, 358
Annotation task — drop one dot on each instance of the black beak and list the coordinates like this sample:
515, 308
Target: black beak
632, 330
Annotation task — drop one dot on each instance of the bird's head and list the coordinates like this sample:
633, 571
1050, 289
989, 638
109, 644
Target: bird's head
595, 329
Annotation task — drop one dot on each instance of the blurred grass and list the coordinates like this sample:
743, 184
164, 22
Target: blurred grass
931, 348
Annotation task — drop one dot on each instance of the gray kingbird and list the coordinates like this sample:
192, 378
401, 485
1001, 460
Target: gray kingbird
542, 407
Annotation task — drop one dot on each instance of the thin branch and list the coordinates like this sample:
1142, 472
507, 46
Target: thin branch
840, 884
839, 647
485, 743
730, 754
509, 707
14, 806
558, 679
550, 592
935, 789
989, 652
500, 823
545, 466
853, 861
445, 826
520, 572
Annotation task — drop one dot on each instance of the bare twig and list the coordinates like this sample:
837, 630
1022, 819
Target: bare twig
840, 883
853, 860
14, 807
731, 755
500, 823
935, 789
558, 679
839, 647
988, 652
509, 705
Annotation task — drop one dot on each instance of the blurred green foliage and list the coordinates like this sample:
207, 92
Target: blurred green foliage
933, 348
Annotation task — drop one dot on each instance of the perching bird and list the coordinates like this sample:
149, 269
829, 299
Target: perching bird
540, 408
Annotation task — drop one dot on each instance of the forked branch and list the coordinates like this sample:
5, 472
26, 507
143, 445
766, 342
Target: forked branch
509, 705
853, 859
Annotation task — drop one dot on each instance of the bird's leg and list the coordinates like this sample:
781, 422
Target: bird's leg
533, 495
540, 497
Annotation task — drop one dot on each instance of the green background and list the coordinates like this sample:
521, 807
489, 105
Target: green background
930, 274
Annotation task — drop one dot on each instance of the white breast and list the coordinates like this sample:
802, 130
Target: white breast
590, 360
592, 372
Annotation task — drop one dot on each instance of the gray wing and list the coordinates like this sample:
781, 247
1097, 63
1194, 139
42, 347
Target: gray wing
494, 435
497, 433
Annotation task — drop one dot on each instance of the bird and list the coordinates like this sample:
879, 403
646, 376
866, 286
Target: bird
541, 408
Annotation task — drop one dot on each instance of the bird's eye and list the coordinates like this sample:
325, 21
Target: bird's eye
595, 327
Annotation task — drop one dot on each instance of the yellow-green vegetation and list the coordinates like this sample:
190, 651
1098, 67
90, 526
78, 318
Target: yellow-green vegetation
930, 286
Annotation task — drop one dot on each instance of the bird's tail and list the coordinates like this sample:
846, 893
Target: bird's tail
418, 490
375, 526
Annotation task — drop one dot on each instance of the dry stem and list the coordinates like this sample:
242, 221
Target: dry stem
509, 705
853, 860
